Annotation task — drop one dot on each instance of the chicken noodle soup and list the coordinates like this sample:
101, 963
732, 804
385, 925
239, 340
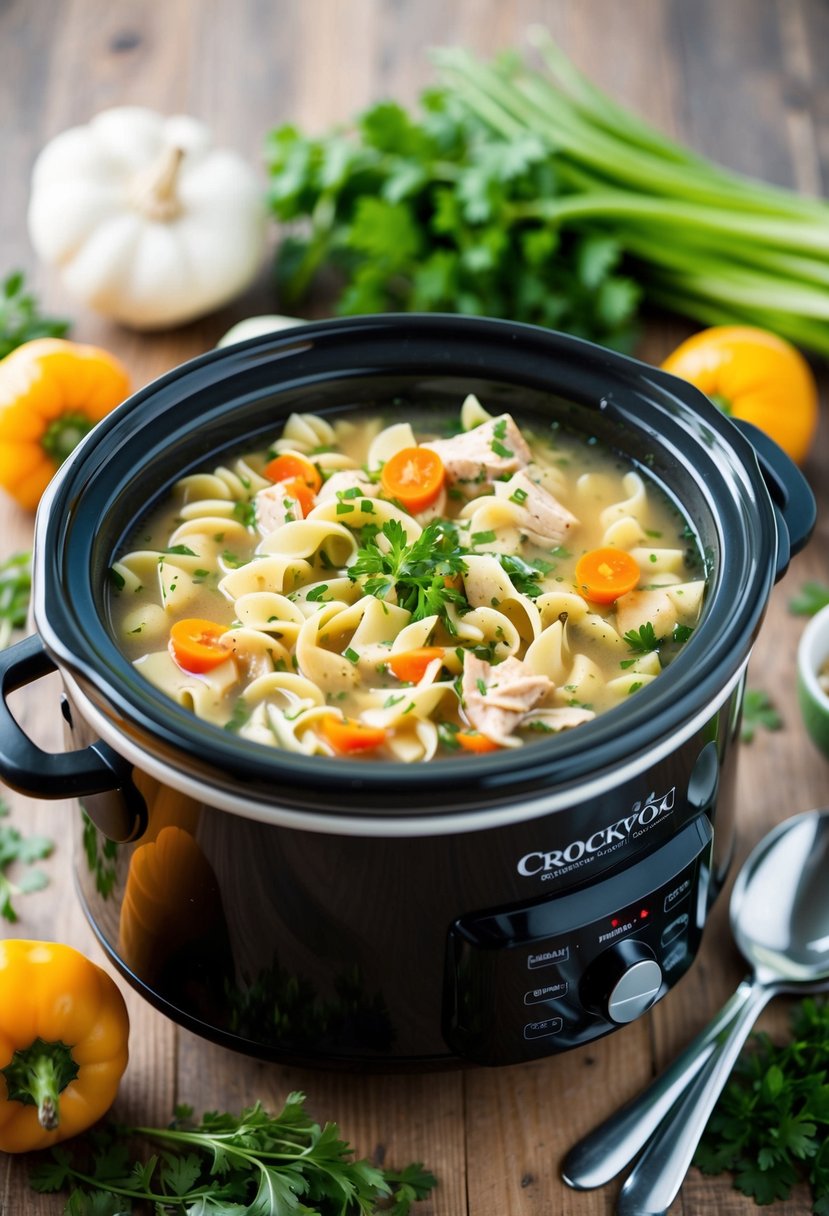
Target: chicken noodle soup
377, 591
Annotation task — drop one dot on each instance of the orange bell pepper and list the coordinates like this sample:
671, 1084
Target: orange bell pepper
52, 392
754, 375
63, 1043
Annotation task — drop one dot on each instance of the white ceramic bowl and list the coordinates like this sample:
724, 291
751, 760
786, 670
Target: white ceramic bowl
812, 653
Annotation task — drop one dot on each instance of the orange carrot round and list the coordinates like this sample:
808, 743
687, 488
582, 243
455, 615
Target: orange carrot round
196, 644
410, 665
292, 465
348, 735
414, 477
302, 492
474, 741
602, 575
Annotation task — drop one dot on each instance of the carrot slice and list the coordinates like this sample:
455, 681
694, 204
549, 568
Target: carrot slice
474, 741
413, 476
602, 575
302, 492
196, 644
292, 465
410, 665
348, 735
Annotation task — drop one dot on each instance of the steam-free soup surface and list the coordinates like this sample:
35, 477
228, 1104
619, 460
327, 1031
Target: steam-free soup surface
380, 591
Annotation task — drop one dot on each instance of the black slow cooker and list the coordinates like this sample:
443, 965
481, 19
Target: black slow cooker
493, 908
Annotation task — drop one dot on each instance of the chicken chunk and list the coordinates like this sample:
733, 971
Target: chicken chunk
541, 516
474, 459
497, 698
275, 506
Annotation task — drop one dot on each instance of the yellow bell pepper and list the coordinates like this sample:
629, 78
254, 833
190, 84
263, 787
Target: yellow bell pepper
52, 392
754, 375
63, 1043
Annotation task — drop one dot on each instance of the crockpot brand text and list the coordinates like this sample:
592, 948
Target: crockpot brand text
643, 816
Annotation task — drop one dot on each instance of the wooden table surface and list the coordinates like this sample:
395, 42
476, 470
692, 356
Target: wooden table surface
747, 82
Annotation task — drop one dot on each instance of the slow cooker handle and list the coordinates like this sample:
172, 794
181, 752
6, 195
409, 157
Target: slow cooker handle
792, 498
96, 769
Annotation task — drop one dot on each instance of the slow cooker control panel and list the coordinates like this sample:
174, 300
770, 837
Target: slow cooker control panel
528, 981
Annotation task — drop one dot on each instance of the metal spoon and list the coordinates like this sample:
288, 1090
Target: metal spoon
780, 919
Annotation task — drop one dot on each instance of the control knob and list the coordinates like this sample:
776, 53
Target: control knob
623, 982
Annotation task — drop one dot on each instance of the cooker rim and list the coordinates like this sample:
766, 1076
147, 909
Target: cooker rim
63, 621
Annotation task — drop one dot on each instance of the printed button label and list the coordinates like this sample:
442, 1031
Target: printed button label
548, 958
674, 930
548, 992
677, 895
674, 957
540, 1030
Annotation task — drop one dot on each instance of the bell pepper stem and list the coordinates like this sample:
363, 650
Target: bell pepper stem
64, 434
37, 1075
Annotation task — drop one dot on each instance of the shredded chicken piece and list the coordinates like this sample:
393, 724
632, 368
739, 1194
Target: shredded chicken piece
541, 516
562, 717
275, 506
476, 458
496, 699
347, 479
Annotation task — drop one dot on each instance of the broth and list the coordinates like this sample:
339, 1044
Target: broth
312, 609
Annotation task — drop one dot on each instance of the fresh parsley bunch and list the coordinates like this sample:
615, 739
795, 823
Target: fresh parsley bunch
434, 212
771, 1126
254, 1164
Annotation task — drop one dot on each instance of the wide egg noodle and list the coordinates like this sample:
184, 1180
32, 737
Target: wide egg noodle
271, 613
487, 584
548, 654
304, 538
256, 652
325, 636
473, 413
494, 514
204, 695
687, 600
485, 627
304, 433
147, 620
278, 573
390, 441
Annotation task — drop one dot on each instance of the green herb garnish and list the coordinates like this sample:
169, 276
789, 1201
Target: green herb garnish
770, 1128
15, 591
416, 573
810, 599
20, 317
23, 850
643, 640
229, 1165
758, 712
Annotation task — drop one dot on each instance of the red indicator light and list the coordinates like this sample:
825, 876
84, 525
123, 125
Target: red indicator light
644, 914
614, 924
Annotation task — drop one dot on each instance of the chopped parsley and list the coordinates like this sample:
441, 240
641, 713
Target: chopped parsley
419, 574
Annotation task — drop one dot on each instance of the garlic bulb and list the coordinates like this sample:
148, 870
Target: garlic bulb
147, 221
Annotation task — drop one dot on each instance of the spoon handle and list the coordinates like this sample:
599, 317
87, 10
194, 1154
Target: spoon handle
655, 1180
605, 1151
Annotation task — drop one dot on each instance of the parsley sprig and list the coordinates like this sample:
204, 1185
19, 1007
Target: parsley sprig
419, 574
644, 639
24, 850
771, 1126
20, 317
15, 592
254, 1164
758, 712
